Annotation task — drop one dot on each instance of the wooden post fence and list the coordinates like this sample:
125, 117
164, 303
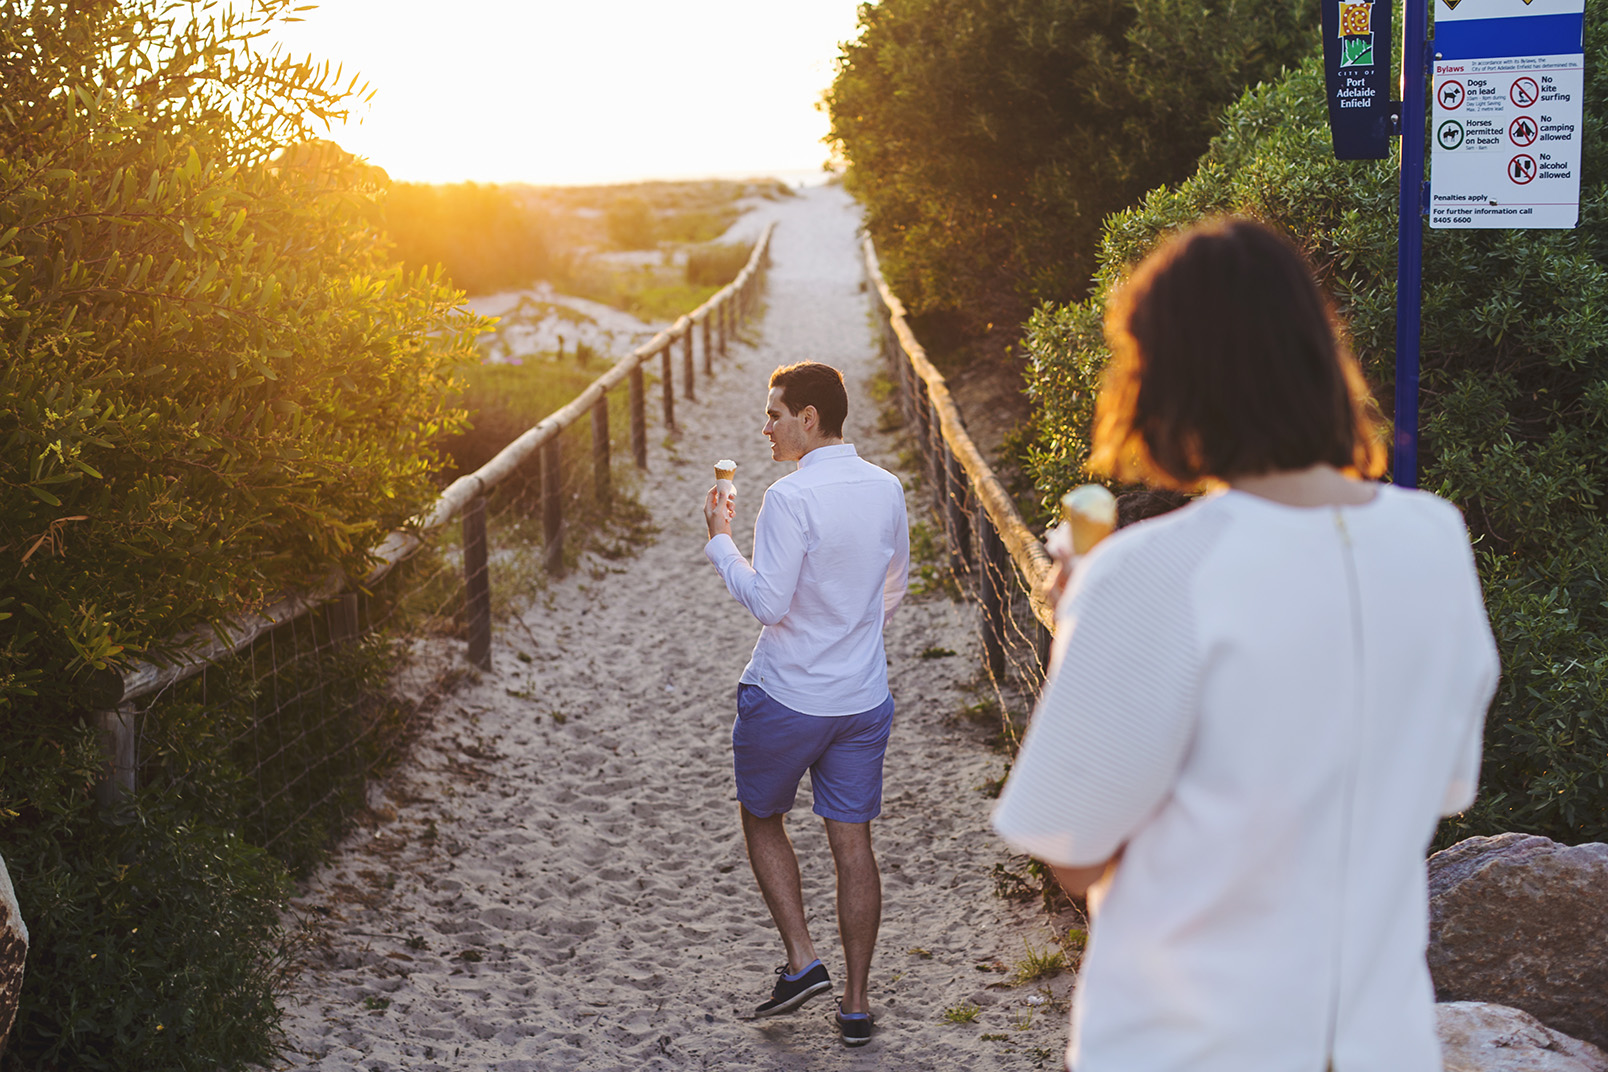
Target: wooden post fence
639, 419
669, 386
602, 479
552, 506
686, 364
986, 536
995, 599
112, 694
709, 358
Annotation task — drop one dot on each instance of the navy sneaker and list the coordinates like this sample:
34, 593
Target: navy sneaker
794, 990
854, 1027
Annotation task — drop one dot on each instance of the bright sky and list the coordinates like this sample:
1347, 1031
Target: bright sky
583, 91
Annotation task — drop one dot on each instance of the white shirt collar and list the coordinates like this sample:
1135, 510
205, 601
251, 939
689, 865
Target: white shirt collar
831, 450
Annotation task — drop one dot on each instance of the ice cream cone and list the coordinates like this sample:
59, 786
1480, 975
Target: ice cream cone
725, 469
1090, 512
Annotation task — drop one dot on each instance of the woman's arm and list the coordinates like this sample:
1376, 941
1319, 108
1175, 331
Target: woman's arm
1077, 880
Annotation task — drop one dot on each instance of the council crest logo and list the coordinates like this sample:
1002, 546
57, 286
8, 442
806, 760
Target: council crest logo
1356, 35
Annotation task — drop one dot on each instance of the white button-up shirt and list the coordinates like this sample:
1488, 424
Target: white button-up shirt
1266, 708
831, 560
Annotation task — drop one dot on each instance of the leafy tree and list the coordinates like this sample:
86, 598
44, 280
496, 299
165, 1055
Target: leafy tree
988, 141
1514, 408
215, 385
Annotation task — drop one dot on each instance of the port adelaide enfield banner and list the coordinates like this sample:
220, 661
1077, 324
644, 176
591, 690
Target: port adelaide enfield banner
1505, 129
1356, 53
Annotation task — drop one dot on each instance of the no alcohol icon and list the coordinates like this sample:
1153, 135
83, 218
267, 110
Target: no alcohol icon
1449, 135
1522, 131
1450, 94
1521, 169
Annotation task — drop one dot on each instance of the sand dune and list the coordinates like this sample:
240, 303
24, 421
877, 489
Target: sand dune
555, 879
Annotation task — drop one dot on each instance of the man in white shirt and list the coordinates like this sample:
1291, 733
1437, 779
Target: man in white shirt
831, 559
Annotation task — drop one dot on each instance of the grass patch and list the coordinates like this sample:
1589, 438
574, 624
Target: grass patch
1035, 880
716, 265
962, 1014
646, 291
698, 225
1038, 964
929, 562
992, 787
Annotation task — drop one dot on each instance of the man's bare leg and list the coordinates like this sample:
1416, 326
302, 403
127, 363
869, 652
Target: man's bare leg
775, 865
859, 905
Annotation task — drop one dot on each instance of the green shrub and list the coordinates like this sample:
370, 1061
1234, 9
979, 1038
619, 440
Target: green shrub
630, 223
153, 942
215, 386
1514, 409
717, 265
988, 141
696, 224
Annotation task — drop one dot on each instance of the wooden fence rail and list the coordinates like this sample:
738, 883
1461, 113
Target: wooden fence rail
113, 693
967, 496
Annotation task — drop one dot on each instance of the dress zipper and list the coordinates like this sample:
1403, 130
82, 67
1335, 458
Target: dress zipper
1353, 761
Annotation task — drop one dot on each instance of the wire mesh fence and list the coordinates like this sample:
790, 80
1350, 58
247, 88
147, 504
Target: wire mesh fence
307, 701
989, 554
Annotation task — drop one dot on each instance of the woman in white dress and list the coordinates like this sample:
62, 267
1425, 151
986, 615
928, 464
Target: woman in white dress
1260, 704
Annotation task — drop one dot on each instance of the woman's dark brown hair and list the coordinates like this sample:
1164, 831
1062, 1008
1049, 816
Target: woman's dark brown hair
1226, 361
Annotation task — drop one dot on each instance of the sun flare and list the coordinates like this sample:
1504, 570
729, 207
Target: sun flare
562, 93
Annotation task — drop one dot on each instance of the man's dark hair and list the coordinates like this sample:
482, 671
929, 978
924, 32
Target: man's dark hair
1142, 505
1226, 360
810, 383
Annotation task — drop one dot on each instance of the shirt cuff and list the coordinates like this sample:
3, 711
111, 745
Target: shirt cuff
721, 548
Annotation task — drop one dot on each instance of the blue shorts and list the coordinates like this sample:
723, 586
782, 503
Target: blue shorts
772, 746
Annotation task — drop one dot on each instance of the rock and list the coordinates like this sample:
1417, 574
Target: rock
1479, 1037
1522, 921
13, 954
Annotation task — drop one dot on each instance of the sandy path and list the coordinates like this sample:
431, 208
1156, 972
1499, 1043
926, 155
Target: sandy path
556, 881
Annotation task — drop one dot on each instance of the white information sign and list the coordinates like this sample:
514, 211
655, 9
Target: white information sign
1505, 127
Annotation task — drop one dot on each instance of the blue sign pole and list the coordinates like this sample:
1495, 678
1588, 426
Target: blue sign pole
1410, 238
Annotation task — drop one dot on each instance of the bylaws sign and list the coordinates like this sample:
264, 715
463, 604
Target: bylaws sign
1505, 128
1356, 55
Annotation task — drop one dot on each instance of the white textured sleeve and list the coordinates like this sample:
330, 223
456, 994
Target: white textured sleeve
766, 588
1465, 780
1106, 743
898, 578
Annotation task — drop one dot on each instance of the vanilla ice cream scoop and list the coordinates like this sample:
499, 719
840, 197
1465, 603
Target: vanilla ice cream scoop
1092, 512
1088, 515
725, 469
